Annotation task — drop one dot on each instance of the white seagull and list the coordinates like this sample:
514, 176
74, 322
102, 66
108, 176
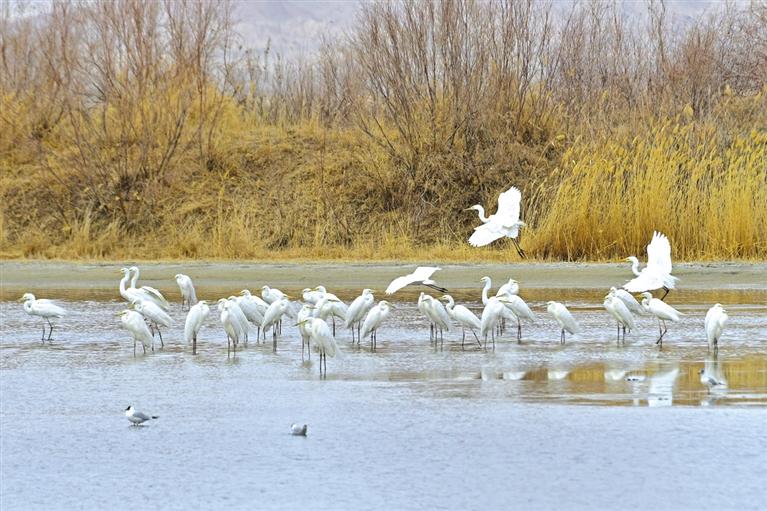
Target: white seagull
138, 418
657, 273
504, 223
43, 308
421, 275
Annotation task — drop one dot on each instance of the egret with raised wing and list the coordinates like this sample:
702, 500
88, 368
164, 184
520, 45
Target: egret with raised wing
657, 273
504, 223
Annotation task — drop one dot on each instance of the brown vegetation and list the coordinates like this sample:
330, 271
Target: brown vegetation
143, 129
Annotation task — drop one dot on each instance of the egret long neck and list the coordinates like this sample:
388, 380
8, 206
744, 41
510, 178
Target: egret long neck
481, 213
123, 282
635, 267
134, 280
485, 289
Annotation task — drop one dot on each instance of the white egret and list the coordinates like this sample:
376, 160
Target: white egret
305, 327
422, 308
252, 311
335, 307
716, 318
134, 323
150, 292
505, 313
242, 319
138, 418
196, 316
661, 310
564, 318
154, 314
273, 316
464, 317
491, 317
311, 296
628, 299
617, 309
520, 309
439, 317
357, 310
657, 273
257, 300
373, 321
504, 223
188, 295
43, 308
509, 288
323, 339
421, 275
231, 325
271, 295
130, 294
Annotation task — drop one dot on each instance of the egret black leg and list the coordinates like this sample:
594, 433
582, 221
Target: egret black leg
519, 331
519, 249
50, 332
43, 336
463, 336
162, 344
664, 294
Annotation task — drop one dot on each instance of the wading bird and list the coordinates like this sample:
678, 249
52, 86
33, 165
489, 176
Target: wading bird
196, 316
252, 312
373, 321
657, 273
188, 296
134, 323
131, 294
463, 317
43, 308
505, 313
617, 309
357, 310
436, 312
491, 316
628, 299
716, 318
504, 223
150, 292
138, 418
520, 309
661, 310
273, 317
154, 314
232, 326
271, 295
421, 275
324, 341
566, 320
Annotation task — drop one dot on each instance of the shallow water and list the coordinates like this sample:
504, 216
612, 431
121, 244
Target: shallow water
588, 424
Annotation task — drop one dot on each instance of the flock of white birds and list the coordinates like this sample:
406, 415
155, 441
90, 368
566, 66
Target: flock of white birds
315, 315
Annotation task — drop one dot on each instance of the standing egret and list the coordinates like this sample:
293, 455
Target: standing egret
661, 310
188, 295
357, 310
439, 317
373, 320
242, 319
253, 313
231, 325
305, 327
134, 322
509, 288
311, 296
273, 317
464, 317
421, 275
520, 309
505, 313
323, 340
271, 295
504, 223
423, 310
564, 318
617, 309
491, 317
336, 308
196, 316
43, 308
657, 273
150, 292
154, 314
628, 299
716, 318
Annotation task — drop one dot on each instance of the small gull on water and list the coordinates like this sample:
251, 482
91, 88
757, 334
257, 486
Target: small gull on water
137, 418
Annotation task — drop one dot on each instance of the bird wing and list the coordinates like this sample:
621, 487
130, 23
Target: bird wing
424, 272
646, 281
141, 415
659, 253
403, 281
508, 205
484, 235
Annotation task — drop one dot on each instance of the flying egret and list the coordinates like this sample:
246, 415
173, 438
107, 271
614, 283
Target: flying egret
323, 339
657, 273
504, 223
43, 308
464, 317
520, 309
188, 295
564, 318
150, 292
273, 316
196, 316
617, 309
154, 314
716, 318
491, 316
231, 325
628, 299
134, 323
421, 275
373, 321
661, 310
138, 418
357, 310
439, 317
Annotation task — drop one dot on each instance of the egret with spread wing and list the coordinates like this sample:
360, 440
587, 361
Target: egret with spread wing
504, 223
657, 273
421, 275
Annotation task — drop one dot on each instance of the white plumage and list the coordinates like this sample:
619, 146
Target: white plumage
373, 321
628, 299
195, 318
134, 323
661, 310
43, 308
504, 223
716, 318
154, 314
657, 273
358, 308
491, 316
150, 293
323, 339
520, 309
188, 294
464, 317
617, 309
437, 314
421, 275
563, 317
271, 295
